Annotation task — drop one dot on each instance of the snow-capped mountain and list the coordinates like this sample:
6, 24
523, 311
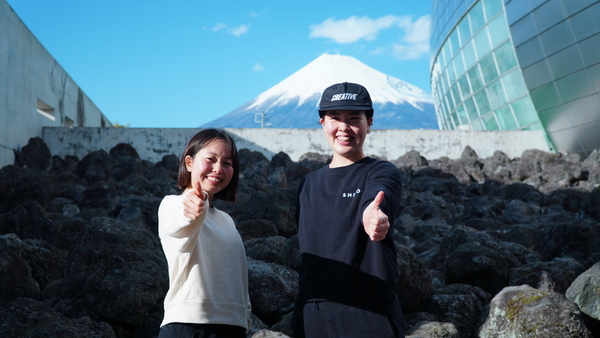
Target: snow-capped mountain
293, 102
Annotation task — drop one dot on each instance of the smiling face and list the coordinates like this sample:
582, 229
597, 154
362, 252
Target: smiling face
346, 131
212, 167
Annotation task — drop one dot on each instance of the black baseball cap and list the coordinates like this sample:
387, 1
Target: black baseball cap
346, 96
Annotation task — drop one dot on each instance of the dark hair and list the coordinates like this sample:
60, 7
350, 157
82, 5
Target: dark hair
196, 143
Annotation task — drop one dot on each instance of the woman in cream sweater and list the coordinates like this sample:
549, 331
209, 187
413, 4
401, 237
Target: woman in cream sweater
208, 278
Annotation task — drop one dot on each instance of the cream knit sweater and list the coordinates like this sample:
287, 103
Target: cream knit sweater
208, 277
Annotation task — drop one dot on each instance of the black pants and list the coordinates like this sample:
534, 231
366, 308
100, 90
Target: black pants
326, 319
187, 330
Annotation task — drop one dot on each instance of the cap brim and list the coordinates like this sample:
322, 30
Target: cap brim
346, 108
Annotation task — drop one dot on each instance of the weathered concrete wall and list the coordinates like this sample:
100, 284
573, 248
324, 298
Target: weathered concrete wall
28, 73
153, 144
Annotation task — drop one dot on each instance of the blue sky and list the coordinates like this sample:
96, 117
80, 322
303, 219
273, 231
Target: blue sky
180, 64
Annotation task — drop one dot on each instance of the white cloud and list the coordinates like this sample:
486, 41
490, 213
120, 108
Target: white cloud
412, 44
352, 29
240, 30
260, 13
415, 41
378, 51
258, 67
219, 26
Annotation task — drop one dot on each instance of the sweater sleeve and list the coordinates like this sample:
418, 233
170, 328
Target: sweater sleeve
385, 177
173, 223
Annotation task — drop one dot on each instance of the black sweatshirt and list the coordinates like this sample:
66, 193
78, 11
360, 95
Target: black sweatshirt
340, 262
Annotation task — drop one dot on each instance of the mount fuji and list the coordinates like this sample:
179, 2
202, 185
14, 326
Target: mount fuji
293, 102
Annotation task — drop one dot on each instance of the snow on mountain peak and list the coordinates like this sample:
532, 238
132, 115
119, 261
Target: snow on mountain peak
310, 81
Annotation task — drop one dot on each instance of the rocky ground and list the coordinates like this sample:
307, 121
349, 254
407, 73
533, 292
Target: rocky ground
494, 247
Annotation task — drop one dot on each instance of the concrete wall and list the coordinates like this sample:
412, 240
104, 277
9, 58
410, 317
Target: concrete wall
153, 144
28, 73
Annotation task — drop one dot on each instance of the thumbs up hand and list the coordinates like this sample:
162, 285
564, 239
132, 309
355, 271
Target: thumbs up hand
194, 201
375, 221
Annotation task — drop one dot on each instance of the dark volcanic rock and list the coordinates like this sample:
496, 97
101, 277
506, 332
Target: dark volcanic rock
125, 161
272, 288
15, 271
35, 155
94, 167
413, 284
29, 220
16, 320
116, 267
460, 304
80, 255
273, 206
553, 276
474, 264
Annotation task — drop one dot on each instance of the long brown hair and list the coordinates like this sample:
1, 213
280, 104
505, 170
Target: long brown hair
196, 143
